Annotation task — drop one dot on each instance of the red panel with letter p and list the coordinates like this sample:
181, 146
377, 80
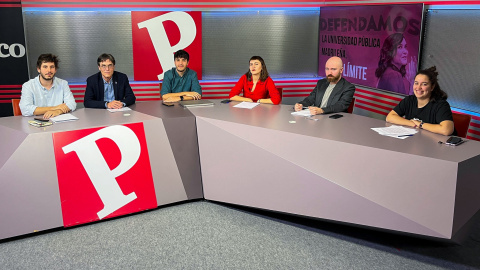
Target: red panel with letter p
103, 173
156, 35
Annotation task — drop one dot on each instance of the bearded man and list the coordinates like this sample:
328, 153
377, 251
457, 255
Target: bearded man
332, 94
46, 94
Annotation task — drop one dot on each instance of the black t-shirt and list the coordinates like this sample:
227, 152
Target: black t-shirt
433, 113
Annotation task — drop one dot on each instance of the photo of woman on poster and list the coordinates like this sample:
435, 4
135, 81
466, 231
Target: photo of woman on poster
394, 73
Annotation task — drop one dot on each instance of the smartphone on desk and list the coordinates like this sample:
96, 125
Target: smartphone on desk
41, 119
335, 116
454, 141
168, 104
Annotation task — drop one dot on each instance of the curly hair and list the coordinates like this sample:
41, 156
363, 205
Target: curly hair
388, 52
432, 74
47, 58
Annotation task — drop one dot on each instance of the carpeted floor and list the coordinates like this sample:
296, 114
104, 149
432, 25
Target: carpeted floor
207, 235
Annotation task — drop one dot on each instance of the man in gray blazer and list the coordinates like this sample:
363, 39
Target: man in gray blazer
332, 94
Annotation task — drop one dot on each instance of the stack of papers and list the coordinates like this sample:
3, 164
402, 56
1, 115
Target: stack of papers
398, 132
246, 105
63, 118
305, 112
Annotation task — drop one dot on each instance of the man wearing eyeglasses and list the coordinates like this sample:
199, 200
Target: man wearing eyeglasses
108, 89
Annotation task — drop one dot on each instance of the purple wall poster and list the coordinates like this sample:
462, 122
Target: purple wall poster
379, 45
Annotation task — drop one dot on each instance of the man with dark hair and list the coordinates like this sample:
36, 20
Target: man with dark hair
108, 89
180, 83
46, 94
332, 94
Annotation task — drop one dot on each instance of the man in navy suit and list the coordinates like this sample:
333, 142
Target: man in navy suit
108, 89
332, 94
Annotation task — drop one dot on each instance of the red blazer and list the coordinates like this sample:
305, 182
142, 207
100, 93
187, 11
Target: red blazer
262, 90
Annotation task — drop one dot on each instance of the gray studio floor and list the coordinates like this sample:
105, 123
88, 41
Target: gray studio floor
207, 235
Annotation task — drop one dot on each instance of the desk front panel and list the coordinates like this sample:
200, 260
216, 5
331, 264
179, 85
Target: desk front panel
336, 169
30, 195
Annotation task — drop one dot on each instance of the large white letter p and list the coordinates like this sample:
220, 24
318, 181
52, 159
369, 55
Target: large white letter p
159, 37
103, 179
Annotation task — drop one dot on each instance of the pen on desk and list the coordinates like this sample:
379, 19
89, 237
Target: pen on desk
405, 135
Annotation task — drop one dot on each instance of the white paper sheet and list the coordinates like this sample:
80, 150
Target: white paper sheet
398, 132
305, 112
123, 109
246, 105
63, 118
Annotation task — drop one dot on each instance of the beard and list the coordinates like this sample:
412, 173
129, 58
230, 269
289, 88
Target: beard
47, 79
181, 70
331, 78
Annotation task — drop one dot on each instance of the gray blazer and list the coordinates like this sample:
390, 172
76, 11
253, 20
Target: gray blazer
339, 99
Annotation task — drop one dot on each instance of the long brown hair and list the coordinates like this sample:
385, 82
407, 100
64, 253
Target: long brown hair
388, 52
263, 74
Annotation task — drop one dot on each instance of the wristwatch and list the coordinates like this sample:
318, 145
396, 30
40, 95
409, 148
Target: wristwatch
421, 124
181, 98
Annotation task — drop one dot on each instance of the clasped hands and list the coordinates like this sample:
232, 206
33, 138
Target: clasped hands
57, 110
416, 123
313, 110
115, 104
193, 95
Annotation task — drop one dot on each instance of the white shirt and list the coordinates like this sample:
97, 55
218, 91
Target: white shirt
35, 95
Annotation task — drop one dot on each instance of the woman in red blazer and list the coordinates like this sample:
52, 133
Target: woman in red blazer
256, 84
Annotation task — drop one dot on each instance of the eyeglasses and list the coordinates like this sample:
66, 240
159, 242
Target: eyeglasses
105, 66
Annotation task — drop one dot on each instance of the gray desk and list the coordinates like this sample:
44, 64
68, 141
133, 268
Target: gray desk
338, 170
29, 190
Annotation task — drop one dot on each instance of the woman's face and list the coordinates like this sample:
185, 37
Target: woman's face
400, 57
255, 67
422, 87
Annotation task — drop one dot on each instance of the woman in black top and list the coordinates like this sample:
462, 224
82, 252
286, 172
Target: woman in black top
427, 109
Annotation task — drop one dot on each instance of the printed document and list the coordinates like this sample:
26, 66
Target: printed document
63, 118
305, 112
398, 132
246, 105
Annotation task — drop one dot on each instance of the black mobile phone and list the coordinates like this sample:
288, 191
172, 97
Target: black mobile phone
225, 101
41, 119
335, 116
168, 104
454, 141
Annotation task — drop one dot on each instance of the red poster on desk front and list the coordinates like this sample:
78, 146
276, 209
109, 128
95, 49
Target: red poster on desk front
103, 173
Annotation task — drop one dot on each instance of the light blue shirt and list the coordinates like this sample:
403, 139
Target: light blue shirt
35, 95
108, 94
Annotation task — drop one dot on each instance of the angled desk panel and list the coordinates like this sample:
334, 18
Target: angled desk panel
179, 124
29, 190
337, 169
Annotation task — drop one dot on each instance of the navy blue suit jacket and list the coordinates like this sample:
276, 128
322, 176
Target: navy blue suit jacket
95, 90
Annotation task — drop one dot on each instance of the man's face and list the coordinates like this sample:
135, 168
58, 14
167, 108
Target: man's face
106, 68
333, 71
47, 70
181, 64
